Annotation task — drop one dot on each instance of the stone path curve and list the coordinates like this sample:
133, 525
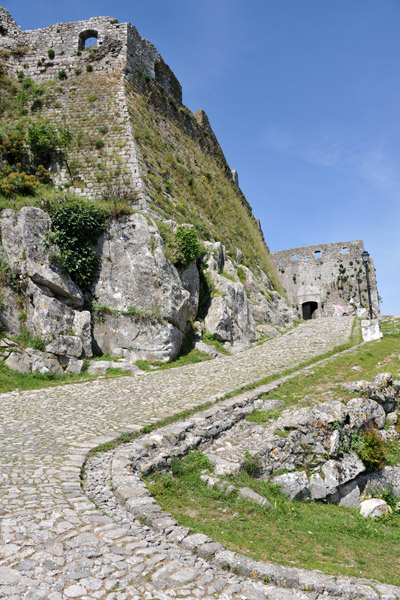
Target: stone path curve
55, 544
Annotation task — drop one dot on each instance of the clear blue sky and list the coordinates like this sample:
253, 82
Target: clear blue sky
304, 97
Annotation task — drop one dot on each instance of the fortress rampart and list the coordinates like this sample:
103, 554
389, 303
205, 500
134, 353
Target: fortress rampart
122, 62
317, 277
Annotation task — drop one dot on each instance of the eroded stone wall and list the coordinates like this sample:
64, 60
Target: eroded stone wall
121, 62
326, 275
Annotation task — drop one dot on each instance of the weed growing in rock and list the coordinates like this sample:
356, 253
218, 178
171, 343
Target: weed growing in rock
30, 341
182, 246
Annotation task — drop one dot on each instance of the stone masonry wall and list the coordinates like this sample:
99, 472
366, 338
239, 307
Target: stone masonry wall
325, 274
122, 61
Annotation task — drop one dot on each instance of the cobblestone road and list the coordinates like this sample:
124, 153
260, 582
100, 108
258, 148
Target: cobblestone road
55, 544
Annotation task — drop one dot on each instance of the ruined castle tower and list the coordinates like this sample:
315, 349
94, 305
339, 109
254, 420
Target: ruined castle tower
318, 277
94, 84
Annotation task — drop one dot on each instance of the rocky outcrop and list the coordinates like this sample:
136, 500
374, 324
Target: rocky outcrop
142, 303
45, 301
22, 236
243, 308
316, 446
148, 303
137, 338
135, 272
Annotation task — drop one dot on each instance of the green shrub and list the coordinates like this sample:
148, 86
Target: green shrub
78, 71
51, 53
76, 226
182, 246
13, 182
12, 143
370, 448
89, 68
46, 141
187, 246
62, 74
99, 144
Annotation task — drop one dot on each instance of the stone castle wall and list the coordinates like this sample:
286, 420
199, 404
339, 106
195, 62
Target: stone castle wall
324, 275
119, 46
121, 62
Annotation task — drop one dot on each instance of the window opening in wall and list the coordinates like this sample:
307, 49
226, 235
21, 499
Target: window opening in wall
90, 43
87, 39
345, 251
317, 254
305, 259
2, 31
280, 263
294, 256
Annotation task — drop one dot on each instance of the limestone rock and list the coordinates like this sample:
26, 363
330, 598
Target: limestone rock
137, 338
18, 361
191, 282
384, 479
317, 487
9, 310
66, 329
218, 321
346, 495
35, 361
75, 366
374, 507
22, 236
135, 272
337, 472
295, 485
364, 412
248, 494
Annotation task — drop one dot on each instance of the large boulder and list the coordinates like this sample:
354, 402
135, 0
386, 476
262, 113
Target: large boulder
35, 361
137, 338
364, 412
229, 317
295, 485
135, 272
374, 507
218, 321
22, 235
67, 331
46, 301
338, 472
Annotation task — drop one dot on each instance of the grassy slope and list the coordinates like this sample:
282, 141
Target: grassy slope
189, 185
308, 535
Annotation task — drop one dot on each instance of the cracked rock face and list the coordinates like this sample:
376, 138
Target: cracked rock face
137, 338
50, 299
135, 272
242, 301
22, 236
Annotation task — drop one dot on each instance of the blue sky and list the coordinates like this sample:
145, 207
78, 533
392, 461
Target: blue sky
304, 97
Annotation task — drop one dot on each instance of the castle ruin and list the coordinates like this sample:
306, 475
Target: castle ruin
121, 62
318, 277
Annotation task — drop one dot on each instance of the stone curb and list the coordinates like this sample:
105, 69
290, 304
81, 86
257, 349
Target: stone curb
133, 459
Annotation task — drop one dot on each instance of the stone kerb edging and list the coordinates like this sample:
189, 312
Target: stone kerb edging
155, 450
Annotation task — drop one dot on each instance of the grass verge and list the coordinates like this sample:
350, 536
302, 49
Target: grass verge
303, 534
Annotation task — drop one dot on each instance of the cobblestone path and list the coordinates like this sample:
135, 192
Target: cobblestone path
55, 544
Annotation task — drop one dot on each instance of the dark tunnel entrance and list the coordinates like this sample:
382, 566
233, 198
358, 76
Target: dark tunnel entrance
309, 309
